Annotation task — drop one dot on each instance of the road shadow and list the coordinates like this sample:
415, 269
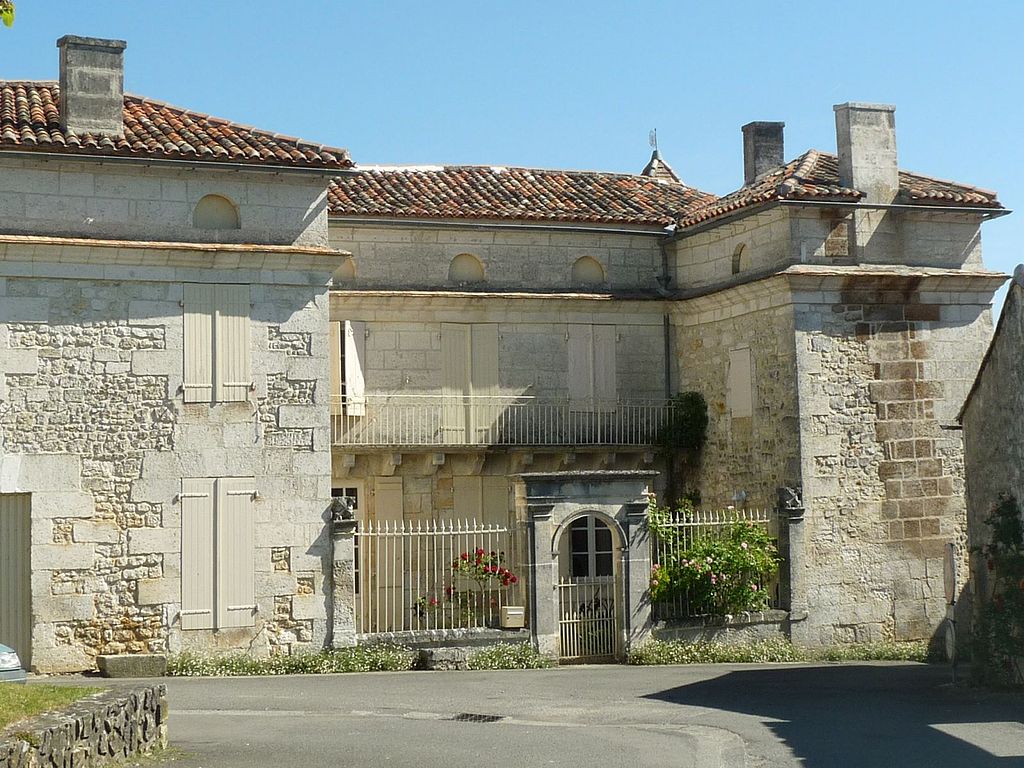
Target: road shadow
864, 715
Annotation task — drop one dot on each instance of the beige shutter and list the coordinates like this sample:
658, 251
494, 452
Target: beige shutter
199, 303
740, 383
355, 355
387, 560
466, 496
236, 553
494, 499
581, 366
455, 380
604, 389
484, 381
232, 371
16, 573
197, 553
337, 375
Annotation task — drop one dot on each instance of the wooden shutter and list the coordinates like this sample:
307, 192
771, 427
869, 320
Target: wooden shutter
581, 366
604, 387
355, 354
455, 380
494, 499
387, 558
200, 305
484, 380
236, 553
740, 383
337, 374
232, 370
197, 553
16, 573
467, 503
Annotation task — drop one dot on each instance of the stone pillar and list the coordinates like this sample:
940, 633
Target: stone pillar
544, 575
637, 576
794, 549
343, 582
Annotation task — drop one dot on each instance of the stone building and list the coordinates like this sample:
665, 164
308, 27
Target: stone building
206, 331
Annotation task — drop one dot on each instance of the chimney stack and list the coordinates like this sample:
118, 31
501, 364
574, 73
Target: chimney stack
866, 142
92, 85
763, 149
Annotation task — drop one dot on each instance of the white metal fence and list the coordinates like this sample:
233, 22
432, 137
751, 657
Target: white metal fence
587, 624
436, 575
688, 528
438, 420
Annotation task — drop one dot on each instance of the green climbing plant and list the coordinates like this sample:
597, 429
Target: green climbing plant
999, 630
681, 441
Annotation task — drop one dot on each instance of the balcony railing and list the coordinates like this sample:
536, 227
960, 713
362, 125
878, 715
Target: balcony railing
440, 420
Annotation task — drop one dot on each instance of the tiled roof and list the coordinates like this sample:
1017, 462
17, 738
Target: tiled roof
30, 120
815, 176
486, 192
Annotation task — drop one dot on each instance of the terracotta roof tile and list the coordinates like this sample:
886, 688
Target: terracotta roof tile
486, 192
30, 120
815, 176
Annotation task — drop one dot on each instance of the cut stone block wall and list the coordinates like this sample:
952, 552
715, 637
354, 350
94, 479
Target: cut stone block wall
395, 257
120, 201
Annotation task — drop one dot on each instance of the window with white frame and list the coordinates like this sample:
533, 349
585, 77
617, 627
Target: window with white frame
348, 353
591, 548
217, 346
218, 552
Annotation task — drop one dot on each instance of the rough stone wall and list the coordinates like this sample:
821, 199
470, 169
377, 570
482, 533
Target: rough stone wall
93, 426
107, 728
393, 257
755, 454
993, 438
79, 198
880, 366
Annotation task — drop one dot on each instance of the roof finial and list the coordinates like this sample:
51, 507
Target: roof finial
652, 139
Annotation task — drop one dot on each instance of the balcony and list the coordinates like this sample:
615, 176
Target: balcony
440, 420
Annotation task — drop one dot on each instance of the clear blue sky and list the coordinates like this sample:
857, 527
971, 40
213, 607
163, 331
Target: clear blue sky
579, 85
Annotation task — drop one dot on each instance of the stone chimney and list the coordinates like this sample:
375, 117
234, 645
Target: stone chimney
763, 149
91, 85
866, 141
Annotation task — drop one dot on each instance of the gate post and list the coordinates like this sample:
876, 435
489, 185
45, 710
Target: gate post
637, 563
343, 574
544, 581
794, 546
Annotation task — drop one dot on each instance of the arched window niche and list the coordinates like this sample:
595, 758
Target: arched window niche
587, 272
466, 268
737, 258
215, 212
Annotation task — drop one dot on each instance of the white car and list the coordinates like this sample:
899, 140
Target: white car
10, 666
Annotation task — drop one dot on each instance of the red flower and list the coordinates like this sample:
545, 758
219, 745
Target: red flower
513, 579
480, 553
433, 602
465, 555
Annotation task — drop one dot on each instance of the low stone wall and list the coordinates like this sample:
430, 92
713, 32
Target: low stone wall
741, 628
442, 649
108, 727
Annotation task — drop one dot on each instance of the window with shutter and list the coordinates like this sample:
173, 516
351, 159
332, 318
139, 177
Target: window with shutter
354, 356
740, 383
217, 345
592, 367
218, 567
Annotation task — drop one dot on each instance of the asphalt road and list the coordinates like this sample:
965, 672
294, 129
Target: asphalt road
825, 716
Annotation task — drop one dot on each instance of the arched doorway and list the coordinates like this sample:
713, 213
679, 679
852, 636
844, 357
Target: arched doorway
589, 569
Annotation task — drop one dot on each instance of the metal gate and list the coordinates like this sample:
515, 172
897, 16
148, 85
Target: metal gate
15, 575
586, 624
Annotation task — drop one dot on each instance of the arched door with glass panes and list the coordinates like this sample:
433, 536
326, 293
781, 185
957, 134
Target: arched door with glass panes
588, 591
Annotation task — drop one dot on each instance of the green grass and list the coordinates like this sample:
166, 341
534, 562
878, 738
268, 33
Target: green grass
778, 650
508, 656
20, 701
368, 658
